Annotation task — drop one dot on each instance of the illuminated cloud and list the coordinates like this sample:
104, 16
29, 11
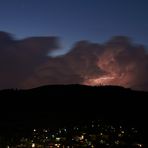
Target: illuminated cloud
117, 62
25, 64
124, 63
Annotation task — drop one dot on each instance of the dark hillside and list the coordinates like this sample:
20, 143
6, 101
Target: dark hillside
74, 102
57, 105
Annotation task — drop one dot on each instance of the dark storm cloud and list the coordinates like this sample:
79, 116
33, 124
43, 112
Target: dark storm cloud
19, 58
117, 62
72, 68
24, 63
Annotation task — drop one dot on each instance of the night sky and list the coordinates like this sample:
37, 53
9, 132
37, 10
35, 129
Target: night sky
73, 20
27, 62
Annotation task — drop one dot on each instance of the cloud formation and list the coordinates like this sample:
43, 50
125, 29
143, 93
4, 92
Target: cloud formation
24, 63
19, 58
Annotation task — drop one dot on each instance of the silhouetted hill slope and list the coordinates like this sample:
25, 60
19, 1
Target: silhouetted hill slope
75, 98
76, 90
59, 104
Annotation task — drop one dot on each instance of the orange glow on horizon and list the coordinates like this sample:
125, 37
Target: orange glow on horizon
104, 80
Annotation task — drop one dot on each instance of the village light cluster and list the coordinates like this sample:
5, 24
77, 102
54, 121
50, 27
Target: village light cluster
92, 135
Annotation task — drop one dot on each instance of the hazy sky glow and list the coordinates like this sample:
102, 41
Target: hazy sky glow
86, 28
